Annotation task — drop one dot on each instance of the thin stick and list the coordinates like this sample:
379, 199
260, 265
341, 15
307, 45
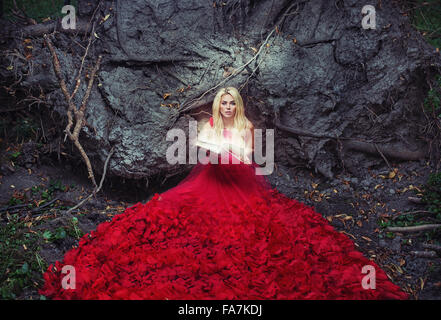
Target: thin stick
382, 155
97, 189
79, 114
414, 228
424, 254
184, 107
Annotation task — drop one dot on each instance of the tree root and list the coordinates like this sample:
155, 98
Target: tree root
424, 254
79, 113
97, 188
433, 247
414, 228
36, 30
390, 151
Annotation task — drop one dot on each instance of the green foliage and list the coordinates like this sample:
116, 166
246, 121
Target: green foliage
14, 155
56, 185
60, 233
14, 201
37, 10
25, 129
426, 17
432, 103
432, 193
20, 264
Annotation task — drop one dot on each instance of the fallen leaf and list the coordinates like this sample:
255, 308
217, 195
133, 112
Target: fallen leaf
347, 233
392, 174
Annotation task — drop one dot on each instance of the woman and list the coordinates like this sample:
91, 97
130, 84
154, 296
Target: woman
222, 233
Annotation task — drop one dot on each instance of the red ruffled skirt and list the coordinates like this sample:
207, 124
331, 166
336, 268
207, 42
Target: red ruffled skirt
222, 233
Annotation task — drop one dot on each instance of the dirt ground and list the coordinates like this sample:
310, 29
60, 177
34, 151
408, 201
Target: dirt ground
352, 205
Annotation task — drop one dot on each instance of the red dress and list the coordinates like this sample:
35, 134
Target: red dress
222, 233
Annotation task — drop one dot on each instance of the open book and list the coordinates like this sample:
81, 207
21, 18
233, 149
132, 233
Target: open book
216, 148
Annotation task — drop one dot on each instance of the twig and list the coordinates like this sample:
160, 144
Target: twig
78, 79
415, 200
190, 105
382, 155
44, 205
414, 228
432, 247
424, 254
12, 208
97, 189
407, 213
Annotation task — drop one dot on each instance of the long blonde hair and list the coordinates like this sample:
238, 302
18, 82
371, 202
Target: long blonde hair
240, 120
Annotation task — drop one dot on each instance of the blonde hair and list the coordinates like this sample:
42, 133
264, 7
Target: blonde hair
240, 120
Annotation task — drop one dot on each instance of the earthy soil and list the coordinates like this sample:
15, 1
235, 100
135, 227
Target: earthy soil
351, 204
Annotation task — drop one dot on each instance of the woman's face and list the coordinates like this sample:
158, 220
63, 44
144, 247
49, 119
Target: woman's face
227, 106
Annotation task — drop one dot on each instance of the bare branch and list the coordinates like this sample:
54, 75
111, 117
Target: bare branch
97, 189
72, 109
423, 227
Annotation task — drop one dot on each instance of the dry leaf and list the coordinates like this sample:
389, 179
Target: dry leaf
393, 173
